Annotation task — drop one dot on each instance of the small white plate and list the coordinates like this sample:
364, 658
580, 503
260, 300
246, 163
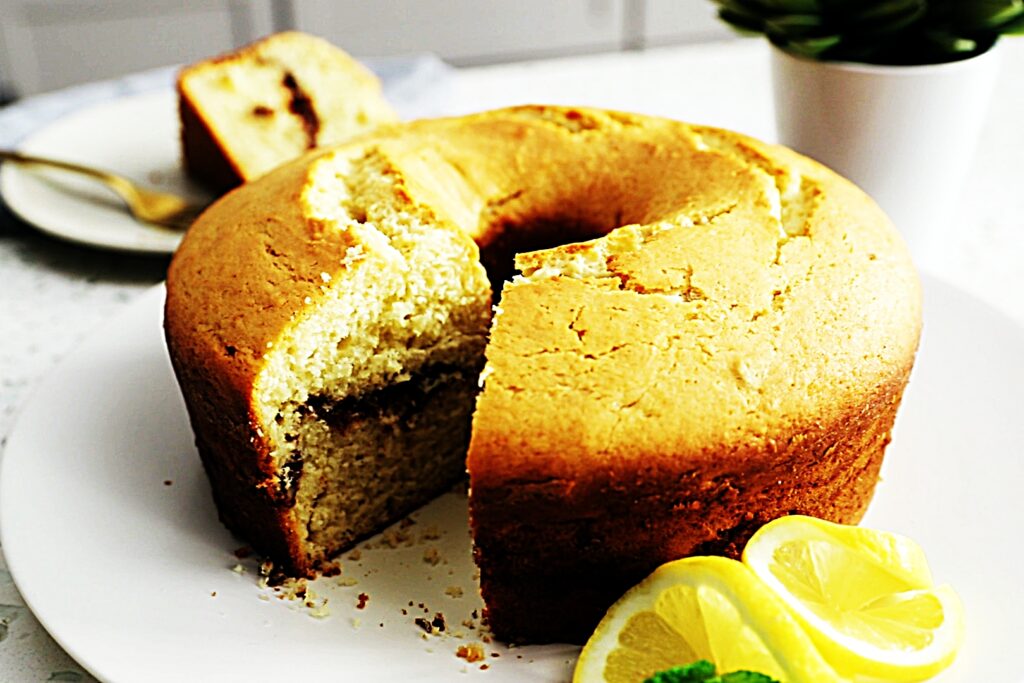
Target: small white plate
122, 569
135, 136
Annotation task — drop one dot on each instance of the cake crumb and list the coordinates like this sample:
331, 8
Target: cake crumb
473, 652
264, 597
271, 575
454, 592
393, 538
485, 667
319, 610
432, 556
439, 623
213, 594
363, 599
431, 533
167, 482
355, 555
423, 624
347, 581
238, 568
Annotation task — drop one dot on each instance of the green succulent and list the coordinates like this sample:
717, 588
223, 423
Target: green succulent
878, 31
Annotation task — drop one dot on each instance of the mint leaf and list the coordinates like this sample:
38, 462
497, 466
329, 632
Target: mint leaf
698, 672
743, 677
703, 671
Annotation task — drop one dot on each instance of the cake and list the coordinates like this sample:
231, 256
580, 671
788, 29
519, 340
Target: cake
704, 332
249, 111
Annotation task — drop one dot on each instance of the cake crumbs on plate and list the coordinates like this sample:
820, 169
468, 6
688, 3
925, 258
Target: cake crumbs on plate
472, 652
347, 581
291, 590
432, 556
453, 592
362, 599
438, 622
355, 555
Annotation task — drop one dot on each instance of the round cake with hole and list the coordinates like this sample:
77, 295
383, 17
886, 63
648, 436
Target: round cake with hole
696, 333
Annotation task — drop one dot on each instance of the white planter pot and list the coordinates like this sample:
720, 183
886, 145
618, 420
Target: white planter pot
905, 134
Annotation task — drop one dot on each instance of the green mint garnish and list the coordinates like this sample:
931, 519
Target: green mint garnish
703, 671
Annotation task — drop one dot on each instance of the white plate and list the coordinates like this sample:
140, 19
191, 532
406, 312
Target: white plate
135, 136
121, 568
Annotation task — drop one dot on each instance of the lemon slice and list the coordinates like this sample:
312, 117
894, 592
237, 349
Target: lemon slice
700, 608
865, 597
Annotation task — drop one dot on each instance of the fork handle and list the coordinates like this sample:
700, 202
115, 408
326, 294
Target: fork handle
19, 158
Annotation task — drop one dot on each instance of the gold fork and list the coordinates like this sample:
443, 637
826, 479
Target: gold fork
150, 206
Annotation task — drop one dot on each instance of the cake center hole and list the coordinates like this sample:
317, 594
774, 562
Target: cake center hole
510, 238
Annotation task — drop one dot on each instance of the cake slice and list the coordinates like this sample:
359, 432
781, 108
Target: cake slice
331, 376
247, 112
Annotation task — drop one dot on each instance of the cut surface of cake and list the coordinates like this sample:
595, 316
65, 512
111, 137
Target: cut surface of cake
249, 111
709, 332
330, 361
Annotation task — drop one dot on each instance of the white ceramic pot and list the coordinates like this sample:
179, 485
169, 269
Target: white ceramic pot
906, 134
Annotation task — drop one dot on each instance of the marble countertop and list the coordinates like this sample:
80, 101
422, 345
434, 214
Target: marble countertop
52, 294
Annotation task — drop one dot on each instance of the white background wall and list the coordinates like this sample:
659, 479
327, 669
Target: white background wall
48, 44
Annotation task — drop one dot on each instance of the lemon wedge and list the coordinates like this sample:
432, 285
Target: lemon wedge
700, 608
865, 597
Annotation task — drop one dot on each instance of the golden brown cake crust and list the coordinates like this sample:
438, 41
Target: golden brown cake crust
734, 351
663, 391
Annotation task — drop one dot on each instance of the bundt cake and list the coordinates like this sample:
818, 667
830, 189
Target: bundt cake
710, 332
249, 111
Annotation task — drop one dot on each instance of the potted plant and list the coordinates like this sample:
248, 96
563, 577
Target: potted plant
891, 93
